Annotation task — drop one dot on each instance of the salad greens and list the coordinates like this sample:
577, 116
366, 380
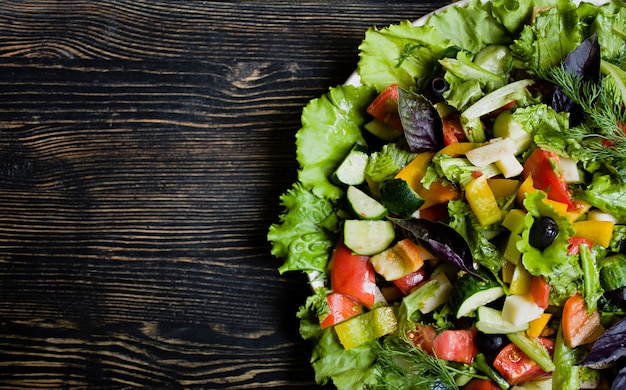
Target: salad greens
556, 71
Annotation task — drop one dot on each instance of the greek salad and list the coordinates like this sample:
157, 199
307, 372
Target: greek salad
460, 206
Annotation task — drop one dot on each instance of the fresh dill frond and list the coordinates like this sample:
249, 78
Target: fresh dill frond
603, 130
404, 366
410, 50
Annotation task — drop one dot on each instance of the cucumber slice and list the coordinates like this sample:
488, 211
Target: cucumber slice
613, 272
351, 171
399, 198
368, 237
490, 321
364, 206
472, 293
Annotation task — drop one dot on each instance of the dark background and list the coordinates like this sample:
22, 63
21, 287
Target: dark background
143, 148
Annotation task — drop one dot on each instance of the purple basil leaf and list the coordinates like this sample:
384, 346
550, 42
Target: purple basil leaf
609, 348
442, 241
420, 121
584, 61
620, 380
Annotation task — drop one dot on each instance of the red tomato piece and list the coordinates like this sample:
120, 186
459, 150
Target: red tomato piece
408, 282
385, 107
516, 367
353, 275
423, 337
481, 384
540, 291
455, 345
341, 308
573, 248
453, 130
579, 327
542, 166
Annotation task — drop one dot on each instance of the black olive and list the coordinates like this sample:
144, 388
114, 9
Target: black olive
543, 231
490, 344
437, 87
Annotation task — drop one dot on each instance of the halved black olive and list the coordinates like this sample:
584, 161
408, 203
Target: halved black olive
490, 344
437, 87
543, 232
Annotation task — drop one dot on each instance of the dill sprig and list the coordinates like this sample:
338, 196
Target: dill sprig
603, 130
404, 366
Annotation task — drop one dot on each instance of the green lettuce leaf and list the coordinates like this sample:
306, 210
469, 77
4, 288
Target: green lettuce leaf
387, 162
304, 236
561, 270
607, 194
470, 28
485, 253
554, 33
548, 127
609, 25
330, 127
401, 54
347, 369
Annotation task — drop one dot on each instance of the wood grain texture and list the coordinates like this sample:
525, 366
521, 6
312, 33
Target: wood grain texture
143, 147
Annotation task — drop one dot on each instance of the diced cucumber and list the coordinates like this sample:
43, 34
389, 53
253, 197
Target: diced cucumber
351, 171
382, 130
366, 237
490, 321
470, 293
506, 127
431, 294
364, 206
399, 198
613, 272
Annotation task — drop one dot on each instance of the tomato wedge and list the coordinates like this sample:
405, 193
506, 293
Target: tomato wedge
341, 308
516, 367
423, 337
574, 243
455, 346
385, 107
453, 132
408, 282
353, 275
542, 166
540, 291
579, 327
481, 384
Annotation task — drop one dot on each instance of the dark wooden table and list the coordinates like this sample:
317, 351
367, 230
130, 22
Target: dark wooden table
143, 148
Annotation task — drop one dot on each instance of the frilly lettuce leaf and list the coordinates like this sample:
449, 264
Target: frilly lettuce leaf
561, 270
304, 236
607, 194
387, 162
401, 54
471, 27
330, 127
609, 25
554, 33
348, 369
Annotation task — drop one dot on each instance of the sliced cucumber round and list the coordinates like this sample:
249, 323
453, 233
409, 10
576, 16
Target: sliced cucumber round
399, 198
366, 237
472, 293
364, 206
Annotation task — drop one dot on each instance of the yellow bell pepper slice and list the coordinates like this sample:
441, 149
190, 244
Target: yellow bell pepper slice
457, 149
538, 325
599, 232
414, 172
482, 201
503, 187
